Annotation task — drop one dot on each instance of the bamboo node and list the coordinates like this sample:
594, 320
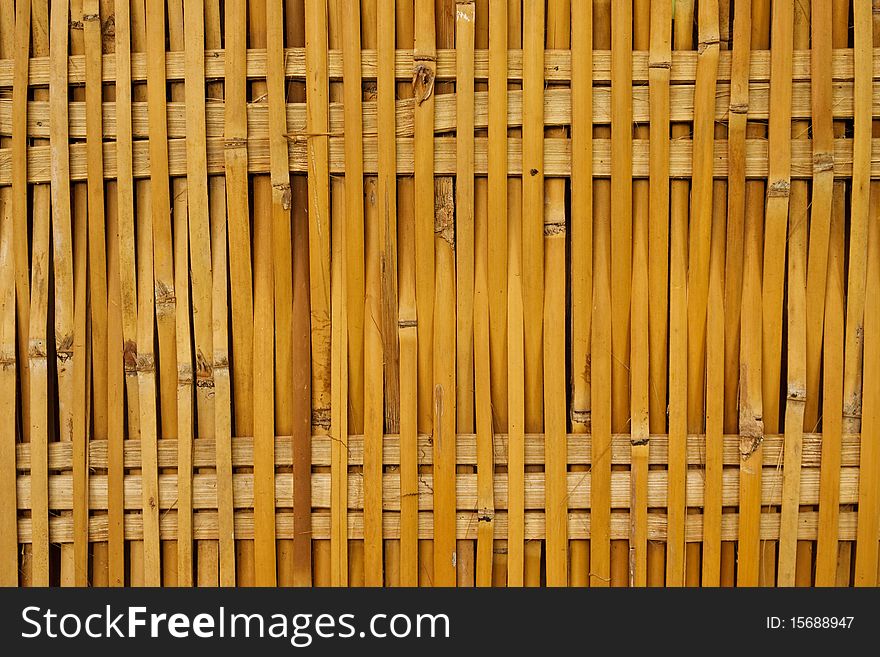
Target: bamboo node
129, 355
779, 189
76, 25
638, 442
485, 515
407, 323
221, 362
797, 394
321, 418
64, 348
7, 361
748, 445
108, 29
146, 363
739, 108
36, 349
708, 43
184, 374
232, 143
554, 229
823, 162
423, 80
580, 417
90, 17
284, 190
660, 63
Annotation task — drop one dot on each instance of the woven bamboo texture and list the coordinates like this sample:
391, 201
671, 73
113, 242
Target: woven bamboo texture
439, 292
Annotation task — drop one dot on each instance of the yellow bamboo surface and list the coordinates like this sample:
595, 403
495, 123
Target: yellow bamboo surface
439, 292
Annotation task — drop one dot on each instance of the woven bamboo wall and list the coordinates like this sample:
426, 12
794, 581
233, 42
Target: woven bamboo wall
566, 292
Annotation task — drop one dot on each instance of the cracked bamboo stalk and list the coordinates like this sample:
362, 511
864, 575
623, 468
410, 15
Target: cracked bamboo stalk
582, 244
600, 348
751, 425
679, 207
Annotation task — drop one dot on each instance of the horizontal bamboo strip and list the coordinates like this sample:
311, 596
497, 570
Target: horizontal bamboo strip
466, 451
557, 111
557, 158
557, 66
205, 526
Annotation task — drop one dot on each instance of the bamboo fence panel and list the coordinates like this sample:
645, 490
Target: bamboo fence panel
439, 292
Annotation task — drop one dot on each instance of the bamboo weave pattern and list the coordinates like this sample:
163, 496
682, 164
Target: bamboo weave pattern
439, 292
